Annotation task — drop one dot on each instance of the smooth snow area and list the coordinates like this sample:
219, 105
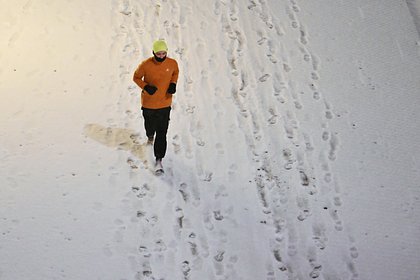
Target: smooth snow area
293, 147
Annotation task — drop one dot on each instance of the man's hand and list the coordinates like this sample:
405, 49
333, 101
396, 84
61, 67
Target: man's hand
150, 89
172, 88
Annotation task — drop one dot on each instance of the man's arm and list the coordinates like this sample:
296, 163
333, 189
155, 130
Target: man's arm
175, 74
138, 76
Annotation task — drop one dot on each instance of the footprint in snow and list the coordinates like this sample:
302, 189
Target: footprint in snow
273, 119
225, 268
327, 177
271, 55
175, 143
144, 251
319, 235
338, 223
233, 168
308, 142
334, 143
304, 178
328, 115
193, 244
207, 221
160, 246
325, 135
353, 250
186, 269
287, 155
315, 76
303, 205
179, 213
146, 272
141, 191
337, 201
286, 67
218, 262
184, 192
303, 35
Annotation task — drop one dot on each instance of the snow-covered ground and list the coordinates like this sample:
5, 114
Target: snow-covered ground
293, 148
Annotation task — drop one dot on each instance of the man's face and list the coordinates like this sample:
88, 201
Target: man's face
161, 54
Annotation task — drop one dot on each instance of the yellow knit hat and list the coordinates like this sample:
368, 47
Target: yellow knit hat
160, 46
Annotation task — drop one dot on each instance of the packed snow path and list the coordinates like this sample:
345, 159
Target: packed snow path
249, 173
251, 188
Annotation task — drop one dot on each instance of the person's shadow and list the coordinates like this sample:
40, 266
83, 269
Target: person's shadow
119, 138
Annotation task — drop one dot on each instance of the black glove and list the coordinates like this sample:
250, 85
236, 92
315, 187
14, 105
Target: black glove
172, 88
150, 89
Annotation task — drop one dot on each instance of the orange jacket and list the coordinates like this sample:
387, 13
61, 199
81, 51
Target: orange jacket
160, 75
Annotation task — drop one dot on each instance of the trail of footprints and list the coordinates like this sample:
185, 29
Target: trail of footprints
296, 156
332, 141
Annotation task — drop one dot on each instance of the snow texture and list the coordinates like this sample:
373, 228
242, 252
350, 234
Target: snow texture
293, 147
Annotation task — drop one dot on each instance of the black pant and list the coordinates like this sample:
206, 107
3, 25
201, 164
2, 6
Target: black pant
157, 121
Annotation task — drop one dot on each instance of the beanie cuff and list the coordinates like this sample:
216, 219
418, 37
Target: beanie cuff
160, 46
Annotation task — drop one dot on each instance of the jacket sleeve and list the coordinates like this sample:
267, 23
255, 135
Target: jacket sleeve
175, 74
139, 75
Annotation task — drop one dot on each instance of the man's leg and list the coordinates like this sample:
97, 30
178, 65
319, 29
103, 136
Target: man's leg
149, 122
162, 123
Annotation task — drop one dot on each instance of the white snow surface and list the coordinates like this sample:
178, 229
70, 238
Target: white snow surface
293, 147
